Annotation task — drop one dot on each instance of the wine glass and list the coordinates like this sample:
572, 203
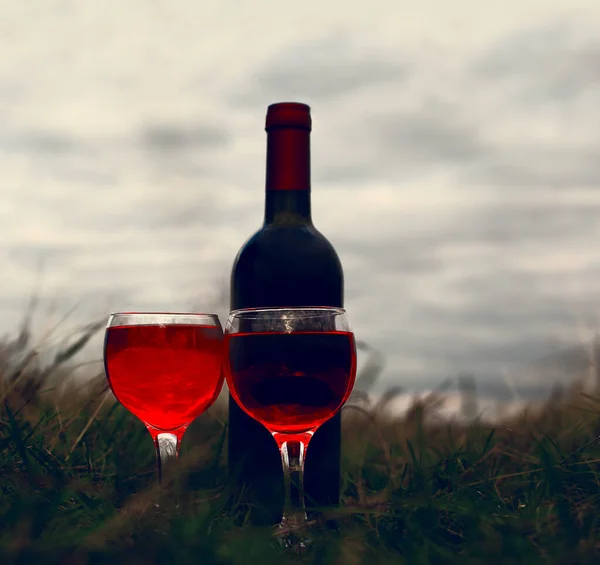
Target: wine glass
291, 369
166, 369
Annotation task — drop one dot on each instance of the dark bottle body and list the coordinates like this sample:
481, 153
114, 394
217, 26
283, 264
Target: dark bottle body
288, 262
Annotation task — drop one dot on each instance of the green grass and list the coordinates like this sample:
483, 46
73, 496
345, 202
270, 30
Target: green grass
77, 478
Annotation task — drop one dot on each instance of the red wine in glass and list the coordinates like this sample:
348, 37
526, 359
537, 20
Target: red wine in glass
291, 383
291, 369
166, 369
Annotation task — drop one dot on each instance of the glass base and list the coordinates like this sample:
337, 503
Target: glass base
294, 535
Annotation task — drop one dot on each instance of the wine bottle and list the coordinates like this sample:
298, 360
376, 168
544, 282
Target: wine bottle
287, 262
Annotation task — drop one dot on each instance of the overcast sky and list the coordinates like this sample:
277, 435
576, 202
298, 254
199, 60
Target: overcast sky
456, 162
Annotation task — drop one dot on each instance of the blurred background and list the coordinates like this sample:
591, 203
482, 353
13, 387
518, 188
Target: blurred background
456, 169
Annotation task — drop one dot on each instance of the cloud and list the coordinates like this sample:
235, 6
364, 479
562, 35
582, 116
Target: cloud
433, 135
548, 79
530, 166
531, 221
51, 143
500, 119
459, 186
320, 69
558, 62
168, 138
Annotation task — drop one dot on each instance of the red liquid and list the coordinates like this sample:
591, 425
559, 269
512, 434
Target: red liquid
165, 375
291, 383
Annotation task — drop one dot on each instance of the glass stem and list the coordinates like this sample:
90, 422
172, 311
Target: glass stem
293, 453
167, 451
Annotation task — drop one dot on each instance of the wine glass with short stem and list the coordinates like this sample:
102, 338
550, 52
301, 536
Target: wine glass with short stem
291, 369
166, 369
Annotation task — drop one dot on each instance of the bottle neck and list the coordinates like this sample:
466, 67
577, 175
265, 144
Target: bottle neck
288, 176
290, 207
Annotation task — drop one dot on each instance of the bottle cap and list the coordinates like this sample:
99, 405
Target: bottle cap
288, 114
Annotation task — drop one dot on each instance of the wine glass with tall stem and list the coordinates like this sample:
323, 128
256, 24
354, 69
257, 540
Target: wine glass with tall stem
291, 369
166, 369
